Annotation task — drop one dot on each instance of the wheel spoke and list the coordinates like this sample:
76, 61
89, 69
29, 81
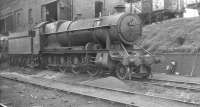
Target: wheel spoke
75, 70
62, 69
121, 72
92, 71
146, 70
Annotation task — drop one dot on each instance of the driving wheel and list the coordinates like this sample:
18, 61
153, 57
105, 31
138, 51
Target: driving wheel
121, 72
75, 70
62, 69
92, 71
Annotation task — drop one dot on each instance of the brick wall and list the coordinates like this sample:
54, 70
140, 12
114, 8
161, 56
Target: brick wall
87, 7
21, 7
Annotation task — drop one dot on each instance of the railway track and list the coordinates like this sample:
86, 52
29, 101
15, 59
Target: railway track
177, 84
132, 99
188, 86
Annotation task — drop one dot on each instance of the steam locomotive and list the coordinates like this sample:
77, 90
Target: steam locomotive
93, 46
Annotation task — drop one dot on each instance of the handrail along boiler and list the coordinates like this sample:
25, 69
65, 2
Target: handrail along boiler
98, 45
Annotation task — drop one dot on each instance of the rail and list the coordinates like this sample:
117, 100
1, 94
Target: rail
113, 95
194, 87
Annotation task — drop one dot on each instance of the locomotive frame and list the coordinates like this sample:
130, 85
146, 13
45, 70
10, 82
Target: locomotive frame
101, 45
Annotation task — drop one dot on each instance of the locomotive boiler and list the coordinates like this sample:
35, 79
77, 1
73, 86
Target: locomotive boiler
94, 46
123, 28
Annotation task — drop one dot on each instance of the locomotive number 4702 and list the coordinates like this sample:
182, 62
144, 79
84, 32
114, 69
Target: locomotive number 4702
132, 22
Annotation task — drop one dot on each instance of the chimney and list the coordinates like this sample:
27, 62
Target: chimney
120, 8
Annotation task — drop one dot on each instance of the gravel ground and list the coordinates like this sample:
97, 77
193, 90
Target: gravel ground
173, 93
15, 94
70, 78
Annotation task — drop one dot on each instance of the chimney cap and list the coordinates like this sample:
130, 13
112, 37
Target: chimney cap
120, 6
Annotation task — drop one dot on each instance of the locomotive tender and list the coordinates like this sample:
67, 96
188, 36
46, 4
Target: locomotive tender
98, 45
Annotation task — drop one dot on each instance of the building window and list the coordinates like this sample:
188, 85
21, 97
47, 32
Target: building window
49, 12
65, 10
9, 22
18, 19
2, 26
98, 8
43, 13
30, 17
